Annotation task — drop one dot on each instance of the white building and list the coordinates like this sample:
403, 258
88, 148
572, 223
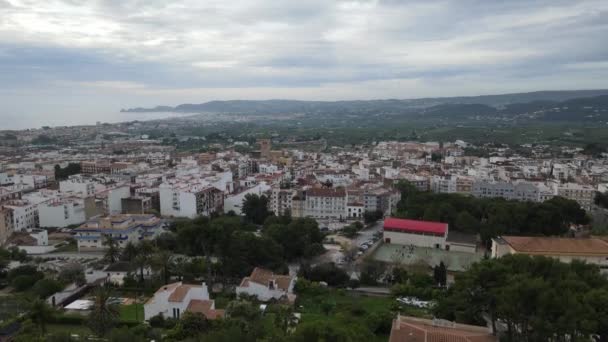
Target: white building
581, 193
265, 285
234, 202
173, 300
62, 212
115, 197
591, 250
325, 203
78, 185
445, 185
190, 200
24, 214
417, 233
122, 228
32, 181
281, 200
521, 191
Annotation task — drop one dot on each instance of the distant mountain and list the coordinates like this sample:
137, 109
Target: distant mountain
510, 102
589, 109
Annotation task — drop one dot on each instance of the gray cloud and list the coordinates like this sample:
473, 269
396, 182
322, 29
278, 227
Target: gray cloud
180, 50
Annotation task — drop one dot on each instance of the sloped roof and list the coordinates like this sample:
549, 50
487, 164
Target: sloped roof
411, 329
557, 246
180, 292
205, 307
263, 277
415, 226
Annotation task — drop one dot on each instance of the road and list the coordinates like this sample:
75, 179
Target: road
368, 233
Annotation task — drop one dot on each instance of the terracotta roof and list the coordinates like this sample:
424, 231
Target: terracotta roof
180, 293
416, 226
205, 307
410, 329
263, 276
168, 287
555, 245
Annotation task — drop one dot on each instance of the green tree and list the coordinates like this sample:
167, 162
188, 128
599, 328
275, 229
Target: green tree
104, 314
255, 208
40, 313
112, 252
46, 287
129, 252
162, 262
190, 325
327, 306
440, 274
72, 274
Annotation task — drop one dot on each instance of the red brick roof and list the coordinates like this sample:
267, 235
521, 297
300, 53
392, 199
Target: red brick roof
205, 307
415, 226
410, 329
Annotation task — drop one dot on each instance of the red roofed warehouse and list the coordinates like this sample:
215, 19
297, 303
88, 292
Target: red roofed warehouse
417, 233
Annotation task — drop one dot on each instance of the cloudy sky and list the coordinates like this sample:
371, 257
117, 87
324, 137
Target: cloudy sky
82, 59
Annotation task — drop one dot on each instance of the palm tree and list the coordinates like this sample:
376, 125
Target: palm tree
112, 251
41, 313
129, 252
162, 262
104, 313
141, 261
285, 318
180, 265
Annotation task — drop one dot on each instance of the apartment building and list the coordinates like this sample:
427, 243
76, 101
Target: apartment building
381, 200
6, 224
122, 228
581, 193
190, 200
24, 214
8, 193
62, 212
281, 200
521, 191
325, 203
78, 185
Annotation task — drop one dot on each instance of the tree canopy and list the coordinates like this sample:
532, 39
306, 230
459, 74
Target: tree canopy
536, 298
490, 217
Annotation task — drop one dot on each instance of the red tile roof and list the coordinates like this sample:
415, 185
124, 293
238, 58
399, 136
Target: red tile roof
205, 307
415, 226
410, 329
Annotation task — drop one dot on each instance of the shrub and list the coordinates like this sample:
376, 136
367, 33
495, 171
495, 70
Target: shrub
46, 287
329, 273
23, 282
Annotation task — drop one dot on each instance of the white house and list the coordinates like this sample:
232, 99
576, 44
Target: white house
265, 285
174, 299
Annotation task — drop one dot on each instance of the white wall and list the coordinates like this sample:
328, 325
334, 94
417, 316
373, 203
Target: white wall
429, 241
61, 215
235, 202
114, 199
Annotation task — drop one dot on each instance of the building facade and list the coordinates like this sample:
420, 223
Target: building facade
122, 228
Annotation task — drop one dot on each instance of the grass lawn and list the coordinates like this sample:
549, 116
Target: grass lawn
353, 308
133, 312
